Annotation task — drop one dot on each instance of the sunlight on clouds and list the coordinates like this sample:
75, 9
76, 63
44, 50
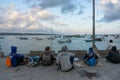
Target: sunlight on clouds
106, 1
12, 15
45, 15
32, 18
114, 1
23, 24
33, 26
60, 24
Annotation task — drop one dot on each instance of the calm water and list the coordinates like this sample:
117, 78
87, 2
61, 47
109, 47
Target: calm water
24, 46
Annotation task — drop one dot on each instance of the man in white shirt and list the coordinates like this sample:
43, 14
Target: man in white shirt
65, 59
110, 45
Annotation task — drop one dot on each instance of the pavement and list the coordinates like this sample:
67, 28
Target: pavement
106, 71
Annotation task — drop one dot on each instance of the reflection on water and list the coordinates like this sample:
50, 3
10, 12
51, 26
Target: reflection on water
26, 43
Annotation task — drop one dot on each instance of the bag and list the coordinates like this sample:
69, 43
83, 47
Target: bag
34, 59
14, 61
8, 62
46, 60
32, 64
17, 59
91, 62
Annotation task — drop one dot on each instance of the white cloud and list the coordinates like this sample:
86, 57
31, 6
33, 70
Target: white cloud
114, 1
34, 26
111, 10
60, 24
32, 20
11, 15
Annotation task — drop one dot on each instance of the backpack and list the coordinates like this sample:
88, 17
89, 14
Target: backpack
14, 61
91, 62
8, 62
46, 59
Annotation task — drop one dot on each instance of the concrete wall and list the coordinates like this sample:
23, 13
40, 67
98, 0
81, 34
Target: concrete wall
78, 53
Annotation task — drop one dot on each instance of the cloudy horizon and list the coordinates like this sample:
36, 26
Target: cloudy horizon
59, 16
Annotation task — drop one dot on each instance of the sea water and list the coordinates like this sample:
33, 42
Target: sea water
39, 42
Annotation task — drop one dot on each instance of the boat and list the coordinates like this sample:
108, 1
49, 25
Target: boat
1, 37
37, 38
65, 40
89, 39
22, 38
116, 36
51, 38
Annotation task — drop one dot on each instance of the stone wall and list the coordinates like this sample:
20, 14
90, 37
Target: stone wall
78, 53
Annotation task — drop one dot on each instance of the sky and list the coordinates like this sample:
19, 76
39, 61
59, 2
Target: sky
59, 16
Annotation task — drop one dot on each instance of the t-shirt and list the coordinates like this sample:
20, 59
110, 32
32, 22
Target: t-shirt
63, 59
110, 45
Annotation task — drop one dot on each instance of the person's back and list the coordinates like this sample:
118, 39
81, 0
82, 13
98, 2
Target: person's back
65, 60
110, 45
47, 57
113, 55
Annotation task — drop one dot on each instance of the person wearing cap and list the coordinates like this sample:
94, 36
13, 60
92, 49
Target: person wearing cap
65, 59
110, 45
47, 57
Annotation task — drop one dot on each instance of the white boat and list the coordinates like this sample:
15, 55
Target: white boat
65, 40
37, 38
89, 38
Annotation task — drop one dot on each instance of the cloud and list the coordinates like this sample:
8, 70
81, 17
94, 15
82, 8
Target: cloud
85, 18
31, 20
34, 19
68, 8
65, 5
81, 8
111, 10
61, 24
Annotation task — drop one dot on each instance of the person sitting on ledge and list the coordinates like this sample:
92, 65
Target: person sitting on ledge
90, 58
113, 55
47, 57
65, 60
110, 45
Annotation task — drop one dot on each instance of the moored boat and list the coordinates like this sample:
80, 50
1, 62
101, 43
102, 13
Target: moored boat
66, 40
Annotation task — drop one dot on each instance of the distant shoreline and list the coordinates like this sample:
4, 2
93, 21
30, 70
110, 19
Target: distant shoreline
26, 34
49, 34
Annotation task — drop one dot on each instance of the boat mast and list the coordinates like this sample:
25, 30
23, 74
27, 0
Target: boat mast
51, 31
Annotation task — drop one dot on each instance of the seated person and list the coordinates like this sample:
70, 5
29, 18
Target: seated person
47, 57
113, 55
65, 60
110, 45
89, 56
